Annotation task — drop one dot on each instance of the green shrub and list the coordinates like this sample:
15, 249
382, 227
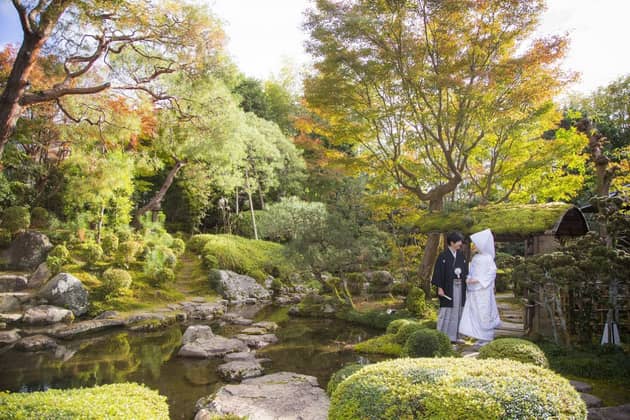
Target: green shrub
110, 243
375, 318
395, 325
127, 253
117, 401
415, 302
429, 388
15, 219
340, 376
401, 288
178, 246
5, 238
57, 257
514, 349
428, 343
39, 217
115, 280
92, 252
406, 330
163, 276
383, 344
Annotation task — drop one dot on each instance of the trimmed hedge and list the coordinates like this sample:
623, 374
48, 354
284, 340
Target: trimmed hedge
117, 401
514, 349
341, 375
383, 344
455, 389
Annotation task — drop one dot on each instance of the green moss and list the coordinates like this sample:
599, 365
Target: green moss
520, 219
257, 259
340, 376
375, 318
116, 401
455, 389
383, 344
514, 349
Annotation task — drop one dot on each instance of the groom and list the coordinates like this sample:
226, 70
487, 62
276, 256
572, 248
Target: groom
449, 275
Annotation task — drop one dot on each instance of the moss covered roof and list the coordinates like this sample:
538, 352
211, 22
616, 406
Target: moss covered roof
512, 220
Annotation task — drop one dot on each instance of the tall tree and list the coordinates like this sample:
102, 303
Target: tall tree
102, 45
419, 84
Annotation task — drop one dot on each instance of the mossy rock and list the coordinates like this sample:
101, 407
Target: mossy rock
341, 375
455, 389
117, 401
514, 349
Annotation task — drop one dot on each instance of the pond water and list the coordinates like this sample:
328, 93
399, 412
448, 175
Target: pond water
308, 346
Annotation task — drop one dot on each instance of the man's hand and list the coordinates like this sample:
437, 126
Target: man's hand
440, 291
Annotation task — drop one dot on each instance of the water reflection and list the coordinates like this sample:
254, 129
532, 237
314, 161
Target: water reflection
308, 346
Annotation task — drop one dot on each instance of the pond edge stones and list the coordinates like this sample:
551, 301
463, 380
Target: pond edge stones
200, 342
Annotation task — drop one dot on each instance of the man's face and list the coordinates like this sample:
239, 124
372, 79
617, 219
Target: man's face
456, 245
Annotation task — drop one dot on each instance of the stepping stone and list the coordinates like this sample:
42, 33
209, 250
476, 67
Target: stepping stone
257, 341
470, 354
267, 325
36, 343
9, 337
621, 412
591, 400
581, 386
240, 356
254, 331
240, 369
10, 318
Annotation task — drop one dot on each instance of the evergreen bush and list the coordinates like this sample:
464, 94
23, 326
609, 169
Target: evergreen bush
57, 257
514, 349
116, 402
15, 219
92, 253
39, 217
110, 243
427, 343
116, 280
415, 302
430, 388
178, 246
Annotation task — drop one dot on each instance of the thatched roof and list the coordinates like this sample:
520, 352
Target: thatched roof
509, 221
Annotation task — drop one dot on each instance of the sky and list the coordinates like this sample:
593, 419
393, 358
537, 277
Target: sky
264, 35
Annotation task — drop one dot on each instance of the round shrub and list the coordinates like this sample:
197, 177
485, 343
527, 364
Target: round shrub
406, 330
15, 219
60, 251
116, 280
163, 276
169, 257
39, 217
127, 252
514, 349
57, 257
427, 343
178, 246
93, 252
415, 302
341, 375
110, 243
455, 389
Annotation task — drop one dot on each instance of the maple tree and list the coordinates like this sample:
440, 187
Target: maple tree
418, 85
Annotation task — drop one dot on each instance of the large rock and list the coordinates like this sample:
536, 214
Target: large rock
9, 302
27, 251
47, 314
203, 310
66, 290
12, 283
283, 395
380, 282
199, 342
238, 287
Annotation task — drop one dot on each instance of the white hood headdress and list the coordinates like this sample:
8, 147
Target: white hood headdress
484, 241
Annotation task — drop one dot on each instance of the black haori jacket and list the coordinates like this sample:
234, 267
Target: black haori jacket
444, 274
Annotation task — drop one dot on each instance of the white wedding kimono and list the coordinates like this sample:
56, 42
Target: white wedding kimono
480, 315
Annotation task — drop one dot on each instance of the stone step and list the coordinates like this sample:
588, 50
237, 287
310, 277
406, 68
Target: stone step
581, 386
508, 333
621, 412
12, 283
591, 400
510, 326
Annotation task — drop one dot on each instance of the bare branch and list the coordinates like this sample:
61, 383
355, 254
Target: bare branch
57, 92
24, 21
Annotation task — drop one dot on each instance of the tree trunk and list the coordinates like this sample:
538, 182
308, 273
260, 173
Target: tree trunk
430, 253
35, 35
154, 203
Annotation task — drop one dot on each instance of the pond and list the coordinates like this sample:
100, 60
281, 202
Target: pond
308, 346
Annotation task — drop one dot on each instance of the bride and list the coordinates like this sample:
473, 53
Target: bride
480, 315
